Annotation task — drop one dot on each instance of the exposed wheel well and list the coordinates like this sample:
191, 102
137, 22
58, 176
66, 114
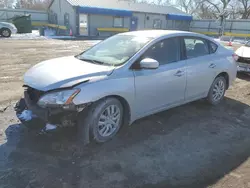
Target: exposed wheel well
226, 76
4, 28
126, 107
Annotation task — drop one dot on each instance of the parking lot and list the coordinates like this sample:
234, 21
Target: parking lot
195, 145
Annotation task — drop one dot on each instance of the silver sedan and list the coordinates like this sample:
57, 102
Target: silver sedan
7, 29
126, 77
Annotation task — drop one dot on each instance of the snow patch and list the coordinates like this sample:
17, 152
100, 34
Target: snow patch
49, 127
26, 115
35, 35
25, 36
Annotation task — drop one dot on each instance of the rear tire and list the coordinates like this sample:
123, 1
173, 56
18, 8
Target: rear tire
217, 90
102, 121
5, 32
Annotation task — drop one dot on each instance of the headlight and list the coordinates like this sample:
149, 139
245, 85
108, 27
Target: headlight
58, 98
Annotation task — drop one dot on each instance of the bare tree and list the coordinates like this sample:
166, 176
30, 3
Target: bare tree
245, 10
33, 4
189, 6
205, 11
218, 6
154, 2
162, 2
6, 3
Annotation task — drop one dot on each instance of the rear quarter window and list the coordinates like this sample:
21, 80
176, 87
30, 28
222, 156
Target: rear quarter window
213, 47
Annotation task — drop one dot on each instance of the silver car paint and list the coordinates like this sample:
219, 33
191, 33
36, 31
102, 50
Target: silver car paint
151, 91
10, 26
63, 72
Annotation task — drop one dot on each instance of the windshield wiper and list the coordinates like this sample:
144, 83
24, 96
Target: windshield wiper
91, 60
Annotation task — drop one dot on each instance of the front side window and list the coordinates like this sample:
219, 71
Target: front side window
195, 47
115, 50
166, 51
118, 22
157, 24
213, 47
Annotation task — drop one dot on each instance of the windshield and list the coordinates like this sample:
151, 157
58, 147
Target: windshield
115, 50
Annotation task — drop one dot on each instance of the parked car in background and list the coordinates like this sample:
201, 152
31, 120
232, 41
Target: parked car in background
7, 29
244, 58
126, 77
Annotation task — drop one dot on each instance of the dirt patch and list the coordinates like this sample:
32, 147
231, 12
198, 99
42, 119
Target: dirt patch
195, 145
19, 55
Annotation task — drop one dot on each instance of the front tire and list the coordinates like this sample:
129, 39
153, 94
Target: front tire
102, 121
217, 90
5, 32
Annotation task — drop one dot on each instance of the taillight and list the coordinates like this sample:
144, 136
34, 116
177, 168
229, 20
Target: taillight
235, 57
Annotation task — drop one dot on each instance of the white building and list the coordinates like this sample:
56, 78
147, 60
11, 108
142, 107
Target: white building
106, 17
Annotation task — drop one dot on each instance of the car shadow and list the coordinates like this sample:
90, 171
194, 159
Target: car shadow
243, 76
193, 145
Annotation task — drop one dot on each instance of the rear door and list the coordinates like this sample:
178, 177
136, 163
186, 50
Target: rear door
201, 67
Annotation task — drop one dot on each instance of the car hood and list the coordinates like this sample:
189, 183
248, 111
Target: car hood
243, 51
63, 72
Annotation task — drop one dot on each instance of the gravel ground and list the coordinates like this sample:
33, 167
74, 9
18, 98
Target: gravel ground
195, 145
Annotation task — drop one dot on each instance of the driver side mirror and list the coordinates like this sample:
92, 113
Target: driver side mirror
149, 63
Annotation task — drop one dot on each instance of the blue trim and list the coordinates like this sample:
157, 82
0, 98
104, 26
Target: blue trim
104, 11
179, 17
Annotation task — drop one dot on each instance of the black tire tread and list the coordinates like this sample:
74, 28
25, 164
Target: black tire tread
3, 30
209, 97
86, 131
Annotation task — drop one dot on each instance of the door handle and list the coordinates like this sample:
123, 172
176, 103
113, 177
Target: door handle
212, 65
179, 73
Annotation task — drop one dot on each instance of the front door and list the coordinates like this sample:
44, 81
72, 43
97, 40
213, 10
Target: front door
157, 89
201, 67
133, 23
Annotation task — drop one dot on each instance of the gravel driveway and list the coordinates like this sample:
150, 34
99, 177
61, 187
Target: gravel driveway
195, 145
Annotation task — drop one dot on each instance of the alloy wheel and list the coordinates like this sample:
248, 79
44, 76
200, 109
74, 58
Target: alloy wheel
218, 90
109, 120
5, 33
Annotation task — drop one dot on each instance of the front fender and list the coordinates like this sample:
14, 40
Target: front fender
122, 86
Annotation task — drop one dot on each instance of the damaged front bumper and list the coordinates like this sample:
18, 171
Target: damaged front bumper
243, 67
52, 117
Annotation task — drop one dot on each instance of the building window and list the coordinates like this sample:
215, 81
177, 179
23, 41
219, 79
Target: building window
55, 19
157, 24
66, 19
118, 22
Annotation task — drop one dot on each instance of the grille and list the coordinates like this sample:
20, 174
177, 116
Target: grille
34, 94
244, 60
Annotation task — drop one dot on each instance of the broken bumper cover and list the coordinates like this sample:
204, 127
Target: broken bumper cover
243, 67
41, 113
55, 115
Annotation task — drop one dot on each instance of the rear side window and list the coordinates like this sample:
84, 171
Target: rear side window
213, 47
195, 47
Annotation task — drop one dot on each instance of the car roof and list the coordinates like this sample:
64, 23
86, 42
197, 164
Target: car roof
156, 33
